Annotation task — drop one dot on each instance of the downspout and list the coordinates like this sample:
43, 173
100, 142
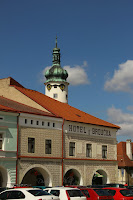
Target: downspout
62, 151
17, 148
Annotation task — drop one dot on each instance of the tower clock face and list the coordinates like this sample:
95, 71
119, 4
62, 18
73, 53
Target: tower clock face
49, 87
62, 87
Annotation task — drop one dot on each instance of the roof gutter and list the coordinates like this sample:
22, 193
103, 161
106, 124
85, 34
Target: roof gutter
62, 150
17, 148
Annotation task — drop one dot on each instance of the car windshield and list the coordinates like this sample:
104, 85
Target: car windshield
75, 193
112, 192
85, 192
38, 192
55, 192
127, 193
102, 192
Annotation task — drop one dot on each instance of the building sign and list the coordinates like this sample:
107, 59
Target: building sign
90, 131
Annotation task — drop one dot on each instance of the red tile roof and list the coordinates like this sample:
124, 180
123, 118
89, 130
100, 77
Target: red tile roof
14, 82
63, 110
5, 108
123, 159
10, 105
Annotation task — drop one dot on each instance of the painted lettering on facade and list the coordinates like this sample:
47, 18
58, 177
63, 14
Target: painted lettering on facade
89, 131
78, 129
103, 132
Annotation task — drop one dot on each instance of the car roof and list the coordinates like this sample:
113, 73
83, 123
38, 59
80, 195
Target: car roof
62, 188
29, 188
115, 188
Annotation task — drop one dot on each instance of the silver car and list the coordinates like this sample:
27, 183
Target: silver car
66, 193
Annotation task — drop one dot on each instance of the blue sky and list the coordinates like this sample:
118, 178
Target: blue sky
96, 42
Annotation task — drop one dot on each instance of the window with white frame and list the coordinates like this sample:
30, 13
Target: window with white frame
1, 118
31, 145
89, 150
72, 149
1, 140
104, 151
48, 144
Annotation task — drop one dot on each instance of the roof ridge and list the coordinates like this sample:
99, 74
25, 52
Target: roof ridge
34, 109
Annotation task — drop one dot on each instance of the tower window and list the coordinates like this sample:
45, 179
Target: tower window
55, 96
25, 121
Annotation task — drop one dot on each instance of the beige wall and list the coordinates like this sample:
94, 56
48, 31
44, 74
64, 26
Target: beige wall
80, 146
53, 168
40, 135
12, 93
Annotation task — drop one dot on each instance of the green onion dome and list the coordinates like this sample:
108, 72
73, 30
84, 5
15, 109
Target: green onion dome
56, 72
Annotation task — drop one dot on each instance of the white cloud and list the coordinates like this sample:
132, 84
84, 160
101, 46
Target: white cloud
42, 75
122, 79
124, 120
130, 108
76, 75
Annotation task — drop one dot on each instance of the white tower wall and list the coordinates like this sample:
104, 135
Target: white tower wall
56, 93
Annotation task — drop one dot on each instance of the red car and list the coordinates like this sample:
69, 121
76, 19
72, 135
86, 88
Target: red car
95, 193
120, 193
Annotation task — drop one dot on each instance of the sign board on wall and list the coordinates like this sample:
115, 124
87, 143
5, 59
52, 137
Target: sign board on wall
90, 130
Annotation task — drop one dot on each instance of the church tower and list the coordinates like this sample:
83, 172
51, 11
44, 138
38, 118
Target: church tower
56, 85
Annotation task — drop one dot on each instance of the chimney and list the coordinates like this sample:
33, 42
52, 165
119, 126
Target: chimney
129, 148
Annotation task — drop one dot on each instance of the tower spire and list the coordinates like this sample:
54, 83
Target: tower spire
56, 85
56, 54
56, 41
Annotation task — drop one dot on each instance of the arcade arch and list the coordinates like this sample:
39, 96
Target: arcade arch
72, 177
99, 177
37, 176
4, 177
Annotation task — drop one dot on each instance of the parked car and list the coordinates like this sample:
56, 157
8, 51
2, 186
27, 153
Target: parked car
93, 194
67, 193
26, 194
3, 188
96, 194
120, 193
